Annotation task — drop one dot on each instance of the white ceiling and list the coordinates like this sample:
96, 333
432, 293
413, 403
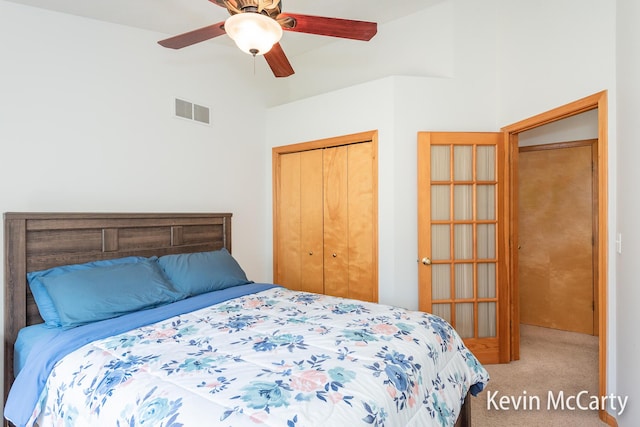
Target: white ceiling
173, 17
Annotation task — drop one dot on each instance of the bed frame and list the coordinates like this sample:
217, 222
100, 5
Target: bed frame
37, 241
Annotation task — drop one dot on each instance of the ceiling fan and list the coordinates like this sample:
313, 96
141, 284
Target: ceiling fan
256, 26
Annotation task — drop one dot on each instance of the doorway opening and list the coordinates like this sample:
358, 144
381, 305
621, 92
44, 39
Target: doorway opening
597, 102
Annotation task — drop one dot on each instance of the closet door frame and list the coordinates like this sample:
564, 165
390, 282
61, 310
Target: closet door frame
367, 136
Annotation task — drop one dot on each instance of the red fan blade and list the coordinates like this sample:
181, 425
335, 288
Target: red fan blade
334, 27
193, 37
278, 61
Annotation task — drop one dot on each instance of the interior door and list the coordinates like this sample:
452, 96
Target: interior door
363, 248
311, 226
336, 222
298, 221
461, 237
350, 240
556, 237
287, 222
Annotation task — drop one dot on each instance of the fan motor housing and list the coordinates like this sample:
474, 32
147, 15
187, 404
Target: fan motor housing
271, 8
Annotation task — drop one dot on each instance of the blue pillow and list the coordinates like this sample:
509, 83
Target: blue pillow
45, 305
200, 272
90, 295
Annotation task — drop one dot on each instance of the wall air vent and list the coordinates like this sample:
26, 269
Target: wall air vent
191, 111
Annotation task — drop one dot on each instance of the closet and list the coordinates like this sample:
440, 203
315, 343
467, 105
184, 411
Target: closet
325, 216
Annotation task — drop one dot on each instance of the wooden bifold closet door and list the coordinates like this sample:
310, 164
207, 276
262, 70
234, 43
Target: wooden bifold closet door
299, 224
325, 220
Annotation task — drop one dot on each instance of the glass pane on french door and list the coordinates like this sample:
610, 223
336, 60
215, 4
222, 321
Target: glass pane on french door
463, 188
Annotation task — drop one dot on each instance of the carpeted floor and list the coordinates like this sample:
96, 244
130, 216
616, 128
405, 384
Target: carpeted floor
552, 364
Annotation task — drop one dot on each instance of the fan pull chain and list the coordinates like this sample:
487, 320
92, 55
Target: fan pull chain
254, 52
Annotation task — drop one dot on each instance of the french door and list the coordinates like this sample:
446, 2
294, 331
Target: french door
461, 237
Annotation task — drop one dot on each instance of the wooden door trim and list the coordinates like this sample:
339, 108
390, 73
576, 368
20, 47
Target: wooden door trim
560, 145
354, 138
596, 101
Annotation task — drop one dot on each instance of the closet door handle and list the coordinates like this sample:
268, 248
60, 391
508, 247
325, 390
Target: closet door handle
310, 252
334, 255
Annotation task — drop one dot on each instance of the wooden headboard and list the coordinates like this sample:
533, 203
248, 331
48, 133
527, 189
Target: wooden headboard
37, 241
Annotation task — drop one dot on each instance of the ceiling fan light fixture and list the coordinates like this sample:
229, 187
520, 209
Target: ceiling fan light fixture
253, 33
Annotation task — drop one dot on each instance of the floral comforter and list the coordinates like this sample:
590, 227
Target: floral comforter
276, 357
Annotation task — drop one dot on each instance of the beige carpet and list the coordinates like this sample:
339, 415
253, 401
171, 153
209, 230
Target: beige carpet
550, 361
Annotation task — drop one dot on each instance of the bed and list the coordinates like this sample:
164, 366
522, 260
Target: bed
232, 353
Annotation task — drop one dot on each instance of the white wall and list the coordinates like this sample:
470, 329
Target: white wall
416, 45
399, 107
628, 208
359, 108
84, 104
552, 53
86, 125
511, 60
575, 128
484, 91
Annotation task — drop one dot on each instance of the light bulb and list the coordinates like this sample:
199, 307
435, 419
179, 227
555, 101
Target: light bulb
253, 33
